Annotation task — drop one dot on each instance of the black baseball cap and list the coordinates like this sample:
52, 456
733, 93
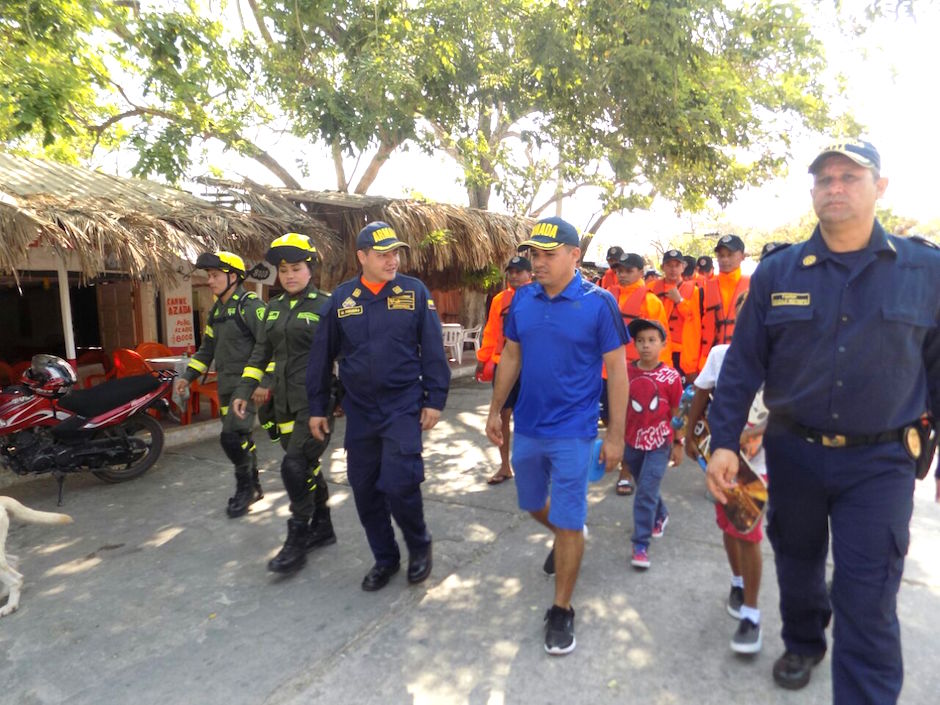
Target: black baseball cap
630, 259
862, 153
704, 263
771, 247
519, 262
671, 255
641, 324
614, 252
732, 242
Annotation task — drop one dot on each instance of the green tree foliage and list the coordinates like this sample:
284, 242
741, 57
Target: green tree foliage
535, 100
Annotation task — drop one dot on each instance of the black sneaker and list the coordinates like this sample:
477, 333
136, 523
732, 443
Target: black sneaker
559, 630
747, 639
792, 671
549, 565
735, 600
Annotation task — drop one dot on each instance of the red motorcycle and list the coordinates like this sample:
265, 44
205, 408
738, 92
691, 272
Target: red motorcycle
45, 427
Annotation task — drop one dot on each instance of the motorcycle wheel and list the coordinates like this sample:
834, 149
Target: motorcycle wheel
141, 427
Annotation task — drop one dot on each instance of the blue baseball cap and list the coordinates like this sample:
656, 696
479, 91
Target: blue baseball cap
378, 236
551, 233
862, 153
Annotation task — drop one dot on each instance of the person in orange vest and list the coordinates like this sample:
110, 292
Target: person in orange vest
610, 276
719, 295
518, 274
636, 301
651, 275
681, 301
688, 274
704, 269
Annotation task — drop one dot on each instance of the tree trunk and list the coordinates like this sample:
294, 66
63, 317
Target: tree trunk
372, 171
479, 197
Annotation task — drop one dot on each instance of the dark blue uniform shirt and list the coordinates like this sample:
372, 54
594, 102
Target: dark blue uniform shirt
389, 346
847, 343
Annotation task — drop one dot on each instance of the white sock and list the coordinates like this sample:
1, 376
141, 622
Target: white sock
751, 613
737, 581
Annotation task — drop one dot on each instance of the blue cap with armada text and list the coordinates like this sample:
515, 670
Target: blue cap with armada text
862, 153
551, 233
378, 236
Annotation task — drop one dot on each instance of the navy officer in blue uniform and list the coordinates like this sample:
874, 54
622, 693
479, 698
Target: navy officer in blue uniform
842, 329
384, 330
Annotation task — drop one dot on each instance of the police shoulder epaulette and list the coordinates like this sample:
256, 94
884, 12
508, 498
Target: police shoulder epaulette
921, 240
311, 294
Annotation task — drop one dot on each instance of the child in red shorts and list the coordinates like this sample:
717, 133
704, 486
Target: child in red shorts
743, 550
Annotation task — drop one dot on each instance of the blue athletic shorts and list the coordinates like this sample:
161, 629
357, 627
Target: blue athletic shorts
556, 467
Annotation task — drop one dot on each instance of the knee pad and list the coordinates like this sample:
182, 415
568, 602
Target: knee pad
298, 479
236, 446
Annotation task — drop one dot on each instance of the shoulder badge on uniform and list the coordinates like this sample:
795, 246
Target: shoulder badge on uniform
357, 292
348, 303
809, 260
431, 305
273, 315
921, 240
259, 312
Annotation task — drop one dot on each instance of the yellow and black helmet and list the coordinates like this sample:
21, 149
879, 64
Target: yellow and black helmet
223, 261
292, 247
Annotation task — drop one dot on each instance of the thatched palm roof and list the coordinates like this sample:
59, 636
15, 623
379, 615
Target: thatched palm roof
131, 225
447, 242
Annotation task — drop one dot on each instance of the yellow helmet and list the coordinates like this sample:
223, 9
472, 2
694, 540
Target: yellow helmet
292, 247
223, 261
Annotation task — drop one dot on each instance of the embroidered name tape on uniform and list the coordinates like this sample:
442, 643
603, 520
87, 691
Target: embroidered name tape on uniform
402, 302
307, 316
354, 311
785, 298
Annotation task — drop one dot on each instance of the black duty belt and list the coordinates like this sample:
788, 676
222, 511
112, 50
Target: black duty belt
839, 440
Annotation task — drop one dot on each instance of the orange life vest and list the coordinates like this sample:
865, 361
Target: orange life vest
718, 323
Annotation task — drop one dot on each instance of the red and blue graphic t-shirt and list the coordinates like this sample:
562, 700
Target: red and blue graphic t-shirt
653, 395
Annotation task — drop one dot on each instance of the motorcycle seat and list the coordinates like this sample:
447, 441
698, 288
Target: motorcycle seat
89, 403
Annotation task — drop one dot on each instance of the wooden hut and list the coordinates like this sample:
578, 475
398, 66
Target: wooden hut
113, 245
458, 252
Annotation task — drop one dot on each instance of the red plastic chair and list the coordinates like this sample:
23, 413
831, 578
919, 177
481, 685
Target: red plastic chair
196, 391
128, 363
147, 350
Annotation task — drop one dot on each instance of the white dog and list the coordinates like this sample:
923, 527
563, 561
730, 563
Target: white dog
11, 581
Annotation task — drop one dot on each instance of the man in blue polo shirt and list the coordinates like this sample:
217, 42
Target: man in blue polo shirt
558, 332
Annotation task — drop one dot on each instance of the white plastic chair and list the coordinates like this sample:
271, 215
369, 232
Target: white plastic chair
453, 339
473, 336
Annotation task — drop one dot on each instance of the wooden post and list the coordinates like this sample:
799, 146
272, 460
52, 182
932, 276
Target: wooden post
65, 304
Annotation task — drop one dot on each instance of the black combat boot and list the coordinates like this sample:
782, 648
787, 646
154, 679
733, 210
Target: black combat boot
247, 492
321, 530
293, 554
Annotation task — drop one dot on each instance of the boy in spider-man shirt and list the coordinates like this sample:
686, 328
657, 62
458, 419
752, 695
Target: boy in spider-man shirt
655, 391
